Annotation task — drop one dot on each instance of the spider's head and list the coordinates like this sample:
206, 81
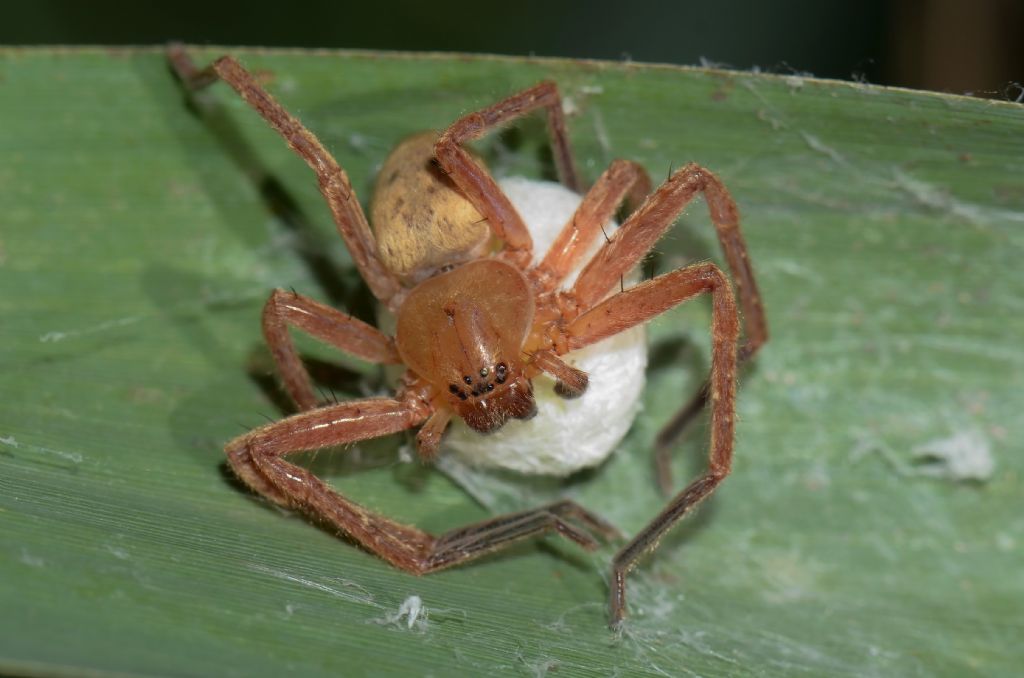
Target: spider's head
492, 396
463, 331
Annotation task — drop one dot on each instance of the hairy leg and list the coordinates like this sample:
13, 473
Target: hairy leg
636, 306
258, 458
622, 181
571, 382
632, 242
334, 183
351, 335
477, 183
650, 222
480, 538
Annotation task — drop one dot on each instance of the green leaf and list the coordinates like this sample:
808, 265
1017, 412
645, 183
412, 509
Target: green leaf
136, 251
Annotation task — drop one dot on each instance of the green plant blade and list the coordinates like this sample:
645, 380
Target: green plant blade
861, 532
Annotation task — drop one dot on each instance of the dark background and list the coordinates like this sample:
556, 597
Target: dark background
949, 45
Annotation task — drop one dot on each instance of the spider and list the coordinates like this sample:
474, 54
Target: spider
450, 257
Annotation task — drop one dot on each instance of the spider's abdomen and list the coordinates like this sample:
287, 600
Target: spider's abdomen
421, 221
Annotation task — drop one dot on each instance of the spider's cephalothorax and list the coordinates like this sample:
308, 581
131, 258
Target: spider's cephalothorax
462, 331
477, 319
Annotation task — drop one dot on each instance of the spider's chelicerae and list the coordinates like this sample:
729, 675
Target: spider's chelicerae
477, 320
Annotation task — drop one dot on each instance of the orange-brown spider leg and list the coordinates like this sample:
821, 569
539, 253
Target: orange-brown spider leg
334, 183
624, 180
635, 306
571, 382
258, 459
284, 309
637, 236
428, 439
648, 224
725, 217
476, 182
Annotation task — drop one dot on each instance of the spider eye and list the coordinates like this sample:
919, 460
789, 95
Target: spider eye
468, 379
500, 372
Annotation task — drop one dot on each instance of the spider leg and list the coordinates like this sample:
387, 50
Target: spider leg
635, 306
473, 541
571, 382
645, 227
476, 182
638, 235
428, 439
622, 181
284, 309
258, 458
334, 183
665, 441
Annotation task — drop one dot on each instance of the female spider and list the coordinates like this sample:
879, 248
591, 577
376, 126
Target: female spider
477, 321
